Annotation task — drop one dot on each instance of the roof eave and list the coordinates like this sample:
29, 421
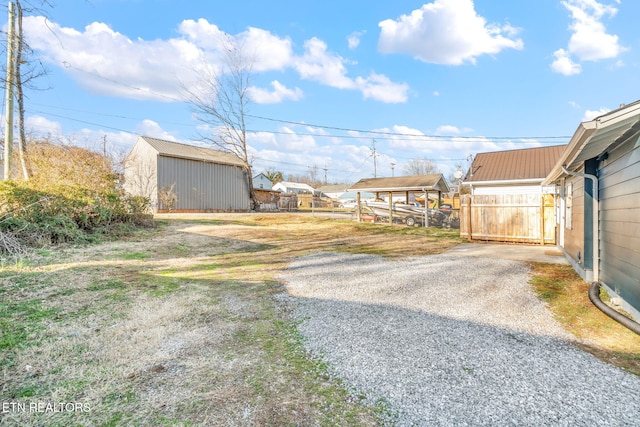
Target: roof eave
588, 131
200, 159
506, 182
580, 138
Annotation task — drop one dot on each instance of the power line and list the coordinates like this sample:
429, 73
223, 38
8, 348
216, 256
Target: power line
437, 137
404, 134
396, 136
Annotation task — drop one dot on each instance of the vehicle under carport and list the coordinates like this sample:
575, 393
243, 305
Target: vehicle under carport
421, 185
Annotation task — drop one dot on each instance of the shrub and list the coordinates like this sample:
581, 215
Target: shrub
72, 196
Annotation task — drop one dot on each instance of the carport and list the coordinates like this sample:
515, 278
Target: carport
402, 185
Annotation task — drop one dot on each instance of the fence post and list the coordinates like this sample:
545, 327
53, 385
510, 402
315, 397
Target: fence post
469, 221
542, 219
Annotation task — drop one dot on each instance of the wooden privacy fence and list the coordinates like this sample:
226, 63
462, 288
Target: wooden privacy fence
522, 218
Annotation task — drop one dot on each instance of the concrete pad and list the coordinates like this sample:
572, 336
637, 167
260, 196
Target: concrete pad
534, 253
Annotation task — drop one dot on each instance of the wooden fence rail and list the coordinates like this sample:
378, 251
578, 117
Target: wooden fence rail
522, 218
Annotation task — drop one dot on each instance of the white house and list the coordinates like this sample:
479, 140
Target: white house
294, 187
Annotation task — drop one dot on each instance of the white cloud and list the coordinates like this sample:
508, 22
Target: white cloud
43, 126
381, 88
152, 129
319, 65
107, 62
447, 130
290, 141
353, 39
279, 93
446, 32
204, 34
589, 40
266, 51
592, 114
564, 65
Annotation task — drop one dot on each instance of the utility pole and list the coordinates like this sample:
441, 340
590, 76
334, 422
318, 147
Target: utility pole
373, 153
8, 132
325, 174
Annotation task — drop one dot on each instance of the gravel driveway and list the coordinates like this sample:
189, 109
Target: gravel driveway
452, 340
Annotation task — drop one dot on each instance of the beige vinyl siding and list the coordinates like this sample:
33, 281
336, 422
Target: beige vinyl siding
574, 236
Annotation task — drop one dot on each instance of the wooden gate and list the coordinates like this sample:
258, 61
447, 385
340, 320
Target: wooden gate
522, 218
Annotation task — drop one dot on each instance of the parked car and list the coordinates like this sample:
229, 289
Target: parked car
348, 204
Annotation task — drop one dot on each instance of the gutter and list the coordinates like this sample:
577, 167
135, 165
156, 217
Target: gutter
596, 220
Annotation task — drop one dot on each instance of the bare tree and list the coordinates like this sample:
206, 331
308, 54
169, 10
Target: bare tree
27, 71
220, 98
314, 176
420, 167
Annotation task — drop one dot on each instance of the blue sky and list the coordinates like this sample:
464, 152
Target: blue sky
439, 80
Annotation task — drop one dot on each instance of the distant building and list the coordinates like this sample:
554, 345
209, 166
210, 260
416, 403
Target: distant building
262, 182
185, 178
335, 191
294, 187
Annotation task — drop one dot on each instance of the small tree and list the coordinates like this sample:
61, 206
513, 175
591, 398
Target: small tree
273, 175
168, 197
220, 98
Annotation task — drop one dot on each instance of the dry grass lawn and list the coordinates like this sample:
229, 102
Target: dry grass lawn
179, 325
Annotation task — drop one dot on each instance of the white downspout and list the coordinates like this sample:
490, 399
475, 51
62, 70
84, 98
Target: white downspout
596, 216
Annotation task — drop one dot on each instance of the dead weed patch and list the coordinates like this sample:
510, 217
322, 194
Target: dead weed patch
567, 296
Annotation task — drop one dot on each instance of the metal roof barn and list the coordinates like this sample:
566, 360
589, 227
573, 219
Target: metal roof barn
198, 179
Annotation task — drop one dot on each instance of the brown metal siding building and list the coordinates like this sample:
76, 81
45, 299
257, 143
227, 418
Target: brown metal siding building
512, 171
203, 180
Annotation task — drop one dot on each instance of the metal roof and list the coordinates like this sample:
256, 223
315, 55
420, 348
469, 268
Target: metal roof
336, 188
512, 166
192, 152
298, 185
597, 136
402, 183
